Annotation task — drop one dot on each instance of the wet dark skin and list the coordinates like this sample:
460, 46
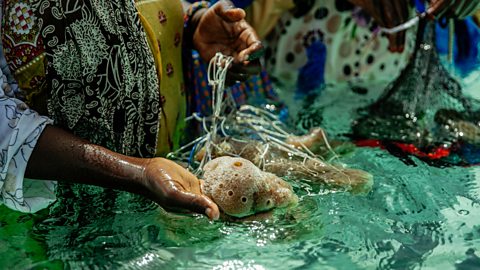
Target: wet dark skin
221, 28
391, 13
73, 160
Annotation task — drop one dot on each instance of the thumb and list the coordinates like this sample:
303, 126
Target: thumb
228, 12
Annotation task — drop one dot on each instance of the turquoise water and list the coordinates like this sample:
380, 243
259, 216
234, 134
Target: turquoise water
416, 217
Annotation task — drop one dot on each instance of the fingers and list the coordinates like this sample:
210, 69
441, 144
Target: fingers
226, 32
228, 12
246, 41
253, 47
247, 68
241, 72
197, 203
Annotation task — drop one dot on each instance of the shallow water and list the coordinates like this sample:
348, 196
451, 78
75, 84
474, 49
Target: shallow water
416, 217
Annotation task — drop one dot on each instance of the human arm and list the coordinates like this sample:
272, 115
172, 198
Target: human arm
61, 156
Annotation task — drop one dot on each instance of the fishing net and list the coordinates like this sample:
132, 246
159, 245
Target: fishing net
424, 107
258, 135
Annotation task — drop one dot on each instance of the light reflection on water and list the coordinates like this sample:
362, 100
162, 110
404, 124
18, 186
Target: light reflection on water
416, 216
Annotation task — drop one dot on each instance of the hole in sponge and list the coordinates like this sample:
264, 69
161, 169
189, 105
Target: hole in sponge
269, 202
230, 193
238, 164
220, 185
244, 199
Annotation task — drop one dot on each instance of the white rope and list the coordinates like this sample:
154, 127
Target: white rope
402, 27
247, 121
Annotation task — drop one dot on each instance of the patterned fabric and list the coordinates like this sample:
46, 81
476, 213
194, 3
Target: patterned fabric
20, 129
237, 3
101, 74
257, 90
24, 48
163, 23
341, 35
10, 85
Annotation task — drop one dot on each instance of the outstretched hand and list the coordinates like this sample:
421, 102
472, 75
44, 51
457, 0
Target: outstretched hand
222, 28
173, 187
388, 14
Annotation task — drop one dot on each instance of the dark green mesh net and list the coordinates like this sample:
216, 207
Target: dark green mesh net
424, 106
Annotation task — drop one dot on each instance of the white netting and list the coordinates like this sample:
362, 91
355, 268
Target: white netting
254, 130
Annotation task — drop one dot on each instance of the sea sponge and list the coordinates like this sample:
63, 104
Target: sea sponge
241, 189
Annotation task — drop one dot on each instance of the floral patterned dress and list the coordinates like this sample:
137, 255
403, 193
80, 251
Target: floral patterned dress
110, 71
93, 58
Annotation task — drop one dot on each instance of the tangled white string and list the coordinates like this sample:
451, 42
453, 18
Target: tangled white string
402, 27
243, 124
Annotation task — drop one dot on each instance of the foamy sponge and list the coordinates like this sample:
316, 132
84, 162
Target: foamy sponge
241, 189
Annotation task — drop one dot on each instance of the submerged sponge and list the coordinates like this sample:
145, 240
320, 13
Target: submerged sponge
241, 189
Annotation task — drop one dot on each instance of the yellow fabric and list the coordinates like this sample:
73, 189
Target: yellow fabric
263, 15
163, 24
476, 17
30, 78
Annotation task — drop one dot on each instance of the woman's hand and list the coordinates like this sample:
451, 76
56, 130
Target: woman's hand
222, 28
453, 8
388, 14
59, 155
173, 187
